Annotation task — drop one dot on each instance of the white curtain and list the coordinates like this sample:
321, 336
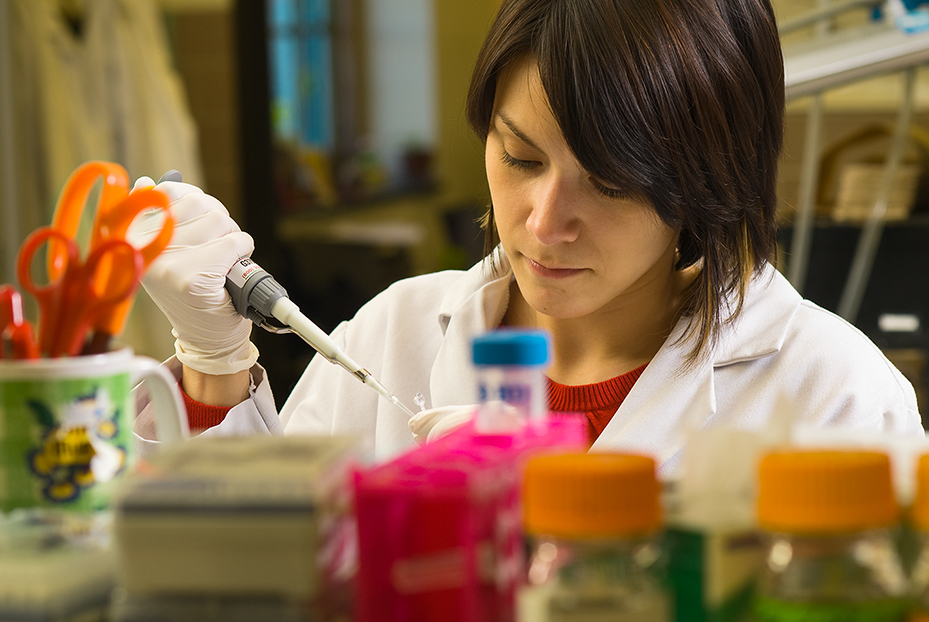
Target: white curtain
85, 81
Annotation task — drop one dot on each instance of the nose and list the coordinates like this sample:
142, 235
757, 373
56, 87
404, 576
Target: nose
553, 219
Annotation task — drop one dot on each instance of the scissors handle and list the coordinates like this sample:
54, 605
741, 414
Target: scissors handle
49, 294
114, 222
71, 302
116, 210
70, 206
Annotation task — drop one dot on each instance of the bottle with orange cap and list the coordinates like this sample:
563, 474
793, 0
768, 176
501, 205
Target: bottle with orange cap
593, 523
919, 520
828, 518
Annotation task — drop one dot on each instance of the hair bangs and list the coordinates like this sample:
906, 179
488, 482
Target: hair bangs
597, 82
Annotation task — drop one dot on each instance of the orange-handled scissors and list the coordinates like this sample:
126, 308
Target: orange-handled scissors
116, 209
71, 302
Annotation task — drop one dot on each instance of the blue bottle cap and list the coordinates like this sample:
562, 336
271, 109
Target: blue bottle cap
512, 347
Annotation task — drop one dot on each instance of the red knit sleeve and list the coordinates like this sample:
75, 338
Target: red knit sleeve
201, 416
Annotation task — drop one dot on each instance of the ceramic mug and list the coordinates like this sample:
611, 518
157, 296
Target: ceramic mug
66, 426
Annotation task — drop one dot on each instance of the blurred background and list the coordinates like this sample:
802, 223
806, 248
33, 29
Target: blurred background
333, 130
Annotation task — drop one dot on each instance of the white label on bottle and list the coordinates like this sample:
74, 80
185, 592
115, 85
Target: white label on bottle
242, 270
513, 394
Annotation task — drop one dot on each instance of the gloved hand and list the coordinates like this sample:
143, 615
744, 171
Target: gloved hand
435, 423
187, 280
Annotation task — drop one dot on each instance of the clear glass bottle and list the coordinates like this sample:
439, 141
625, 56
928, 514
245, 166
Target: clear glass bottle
510, 368
593, 525
828, 519
919, 520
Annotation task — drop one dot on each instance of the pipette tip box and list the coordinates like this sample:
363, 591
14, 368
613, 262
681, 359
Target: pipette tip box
239, 517
439, 528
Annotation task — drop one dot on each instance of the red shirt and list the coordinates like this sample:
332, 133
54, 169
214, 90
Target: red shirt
597, 401
201, 416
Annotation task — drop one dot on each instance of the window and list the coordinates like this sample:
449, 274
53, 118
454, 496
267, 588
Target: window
302, 94
352, 99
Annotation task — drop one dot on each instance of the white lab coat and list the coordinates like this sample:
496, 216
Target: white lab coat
783, 357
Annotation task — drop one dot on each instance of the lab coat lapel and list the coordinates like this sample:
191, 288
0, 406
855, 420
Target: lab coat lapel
468, 310
651, 418
668, 403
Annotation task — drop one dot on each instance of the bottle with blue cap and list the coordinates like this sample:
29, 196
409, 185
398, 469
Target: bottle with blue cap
510, 368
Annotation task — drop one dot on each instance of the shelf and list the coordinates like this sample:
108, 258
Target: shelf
850, 56
414, 223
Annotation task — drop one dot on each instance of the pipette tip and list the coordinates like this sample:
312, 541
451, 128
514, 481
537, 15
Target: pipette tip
401, 405
377, 386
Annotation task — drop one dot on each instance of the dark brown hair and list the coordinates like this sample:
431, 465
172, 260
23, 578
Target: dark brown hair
677, 101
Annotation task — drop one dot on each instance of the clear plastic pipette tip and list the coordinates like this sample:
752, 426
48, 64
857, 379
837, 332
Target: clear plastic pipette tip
377, 386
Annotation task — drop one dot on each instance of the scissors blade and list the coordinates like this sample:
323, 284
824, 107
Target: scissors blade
11, 306
113, 224
19, 342
116, 209
16, 334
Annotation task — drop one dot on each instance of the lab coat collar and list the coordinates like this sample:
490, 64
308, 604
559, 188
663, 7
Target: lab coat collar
770, 304
481, 297
668, 402
475, 305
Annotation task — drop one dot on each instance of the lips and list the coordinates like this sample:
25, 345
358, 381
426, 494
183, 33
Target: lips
551, 272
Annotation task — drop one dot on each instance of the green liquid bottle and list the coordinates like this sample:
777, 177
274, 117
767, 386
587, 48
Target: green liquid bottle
828, 519
593, 523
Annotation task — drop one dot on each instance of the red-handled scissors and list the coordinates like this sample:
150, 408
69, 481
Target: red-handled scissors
18, 338
116, 209
81, 293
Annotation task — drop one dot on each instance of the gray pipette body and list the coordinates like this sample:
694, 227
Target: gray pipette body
257, 296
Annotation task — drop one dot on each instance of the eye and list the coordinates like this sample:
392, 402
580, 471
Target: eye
515, 163
607, 191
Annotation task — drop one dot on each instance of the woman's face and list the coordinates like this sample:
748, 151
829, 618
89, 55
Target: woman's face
576, 245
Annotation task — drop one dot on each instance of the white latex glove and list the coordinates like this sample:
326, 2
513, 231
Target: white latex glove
187, 280
435, 423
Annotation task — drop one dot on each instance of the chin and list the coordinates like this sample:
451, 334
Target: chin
561, 309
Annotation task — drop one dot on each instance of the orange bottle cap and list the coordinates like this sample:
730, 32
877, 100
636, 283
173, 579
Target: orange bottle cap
825, 491
591, 495
920, 510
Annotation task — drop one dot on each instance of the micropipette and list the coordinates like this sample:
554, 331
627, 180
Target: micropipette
257, 296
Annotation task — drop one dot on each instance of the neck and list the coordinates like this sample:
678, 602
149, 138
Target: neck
612, 341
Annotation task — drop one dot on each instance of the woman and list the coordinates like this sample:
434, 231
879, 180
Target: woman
631, 154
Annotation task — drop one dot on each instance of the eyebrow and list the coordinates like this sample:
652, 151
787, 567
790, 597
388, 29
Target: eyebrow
513, 128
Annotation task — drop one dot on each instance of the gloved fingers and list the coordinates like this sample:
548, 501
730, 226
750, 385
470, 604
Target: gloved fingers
449, 424
221, 253
197, 219
177, 190
421, 424
142, 182
198, 270
145, 227
191, 206
173, 189
199, 229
